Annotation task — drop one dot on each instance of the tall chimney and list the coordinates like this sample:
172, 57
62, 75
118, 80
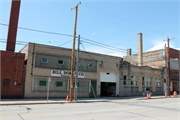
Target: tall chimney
13, 24
140, 49
128, 52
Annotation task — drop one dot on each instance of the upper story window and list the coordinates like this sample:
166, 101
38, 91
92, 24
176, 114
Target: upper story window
90, 65
147, 81
134, 81
61, 62
44, 60
158, 82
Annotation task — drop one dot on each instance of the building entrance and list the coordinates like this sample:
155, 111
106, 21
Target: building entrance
108, 89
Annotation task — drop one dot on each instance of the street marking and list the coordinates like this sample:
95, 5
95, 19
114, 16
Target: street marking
26, 115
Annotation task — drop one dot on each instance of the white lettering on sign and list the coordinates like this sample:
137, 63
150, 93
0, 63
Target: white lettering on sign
66, 74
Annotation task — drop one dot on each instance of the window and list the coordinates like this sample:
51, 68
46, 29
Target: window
143, 81
158, 82
124, 80
134, 81
59, 84
147, 81
42, 83
44, 60
61, 62
74, 84
6, 82
90, 65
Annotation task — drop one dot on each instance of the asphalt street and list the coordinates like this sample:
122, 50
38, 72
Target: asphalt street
127, 109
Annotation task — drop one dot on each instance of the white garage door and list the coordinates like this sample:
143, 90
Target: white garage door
108, 77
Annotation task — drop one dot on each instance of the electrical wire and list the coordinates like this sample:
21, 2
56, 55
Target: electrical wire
40, 45
88, 53
55, 47
37, 45
38, 30
118, 50
104, 44
64, 35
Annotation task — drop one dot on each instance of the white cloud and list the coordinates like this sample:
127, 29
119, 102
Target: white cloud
159, 44
118, 54
104, 51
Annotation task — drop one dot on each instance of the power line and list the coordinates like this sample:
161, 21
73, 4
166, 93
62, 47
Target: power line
37, 44
65, 43
99, 56
104, 44
121, 51
14, 40
87, 52
60, 34
38, 30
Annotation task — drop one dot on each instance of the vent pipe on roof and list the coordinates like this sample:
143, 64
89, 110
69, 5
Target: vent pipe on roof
140, 49
128, 52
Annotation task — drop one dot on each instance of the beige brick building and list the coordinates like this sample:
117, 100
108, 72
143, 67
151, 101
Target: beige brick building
106, 75
156, 59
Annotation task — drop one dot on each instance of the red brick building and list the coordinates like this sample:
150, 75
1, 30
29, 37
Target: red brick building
175, 74
12, 65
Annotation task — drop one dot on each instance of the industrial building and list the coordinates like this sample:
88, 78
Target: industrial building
29, 73
105, 75
156, 59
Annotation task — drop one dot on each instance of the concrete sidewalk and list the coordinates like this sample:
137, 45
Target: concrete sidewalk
5, 102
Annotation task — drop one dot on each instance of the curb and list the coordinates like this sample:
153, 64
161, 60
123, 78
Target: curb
80, 101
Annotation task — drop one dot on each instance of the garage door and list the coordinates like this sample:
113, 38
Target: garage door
108, 77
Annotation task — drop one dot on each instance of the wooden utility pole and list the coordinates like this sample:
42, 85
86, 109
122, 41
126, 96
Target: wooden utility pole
73, 51
168, 65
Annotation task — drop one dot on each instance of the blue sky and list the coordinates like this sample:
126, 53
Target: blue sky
114, 23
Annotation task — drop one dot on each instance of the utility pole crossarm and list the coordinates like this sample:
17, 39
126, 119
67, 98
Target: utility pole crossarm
76, 6
169, 39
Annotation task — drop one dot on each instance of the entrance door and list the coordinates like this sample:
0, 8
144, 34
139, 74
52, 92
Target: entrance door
174, 86
93, 89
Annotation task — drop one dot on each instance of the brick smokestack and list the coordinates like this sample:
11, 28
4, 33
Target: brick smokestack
13, 24
128, 52
140, 49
